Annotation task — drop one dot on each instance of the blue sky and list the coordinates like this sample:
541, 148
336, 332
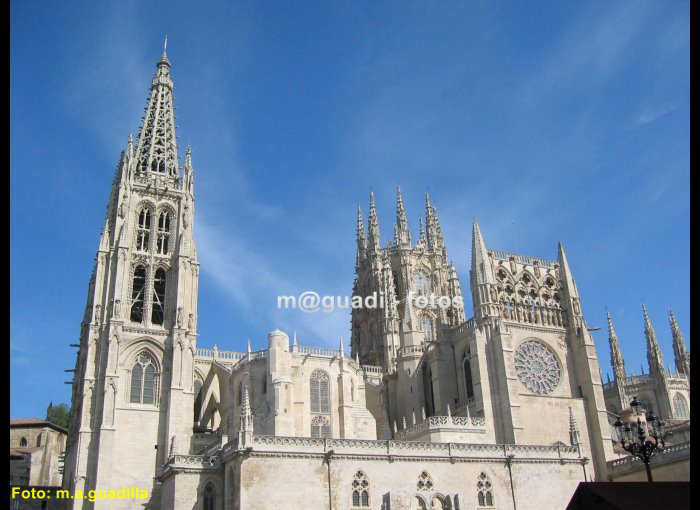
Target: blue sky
545, 120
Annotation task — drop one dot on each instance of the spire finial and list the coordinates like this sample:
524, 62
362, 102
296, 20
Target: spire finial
402, 236
164, 57
616, 360
573, 428
680, 353
245, 403
421, 233
374, 244
360, 239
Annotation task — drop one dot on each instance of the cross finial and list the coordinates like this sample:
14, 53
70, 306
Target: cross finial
164, 57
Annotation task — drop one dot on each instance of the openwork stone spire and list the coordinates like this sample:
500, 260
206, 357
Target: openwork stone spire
432, 225
618, 364
421, 234
429, 223
654, 356
156, 152
360, 238
681, 355
374, 244
481, 263
616, 359
402, 236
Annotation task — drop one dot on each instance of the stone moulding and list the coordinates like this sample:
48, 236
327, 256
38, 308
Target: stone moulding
188, 463
406, 450
365, 449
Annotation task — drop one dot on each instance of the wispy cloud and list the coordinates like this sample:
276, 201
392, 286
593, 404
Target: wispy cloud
586, 54
651, 115
251, 282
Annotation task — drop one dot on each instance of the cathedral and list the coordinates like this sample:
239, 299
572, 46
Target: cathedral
428, 409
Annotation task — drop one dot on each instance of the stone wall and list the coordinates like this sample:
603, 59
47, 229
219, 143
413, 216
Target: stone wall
282, 473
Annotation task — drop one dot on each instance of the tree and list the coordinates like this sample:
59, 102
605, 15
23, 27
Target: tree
58, 415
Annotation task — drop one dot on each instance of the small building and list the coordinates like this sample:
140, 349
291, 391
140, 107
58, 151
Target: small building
36, 447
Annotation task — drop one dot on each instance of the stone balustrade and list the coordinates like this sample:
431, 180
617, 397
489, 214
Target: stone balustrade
523, 259
217, 354
461, 424
671, 453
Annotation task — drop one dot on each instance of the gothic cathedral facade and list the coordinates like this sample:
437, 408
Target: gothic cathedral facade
428, 409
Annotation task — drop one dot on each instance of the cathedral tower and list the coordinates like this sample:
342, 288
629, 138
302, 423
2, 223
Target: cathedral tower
394, 336
134, 368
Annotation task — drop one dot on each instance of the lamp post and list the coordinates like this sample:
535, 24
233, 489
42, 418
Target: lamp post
643, 439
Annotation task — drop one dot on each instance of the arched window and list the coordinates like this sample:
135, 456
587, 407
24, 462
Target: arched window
137, 291
144, 379
163, 237
360, 490
209, 497
427, 327
158, 305
38, 440
422, 281
320, 404
468, 378
197, 400
428, 390
143, 231
484, 490
680, 406
23, 442
320, 427
425, 482
320, 392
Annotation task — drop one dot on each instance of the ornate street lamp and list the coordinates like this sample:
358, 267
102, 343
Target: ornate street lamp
643, 439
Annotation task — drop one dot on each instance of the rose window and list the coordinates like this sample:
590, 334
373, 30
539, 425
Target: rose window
537, 367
